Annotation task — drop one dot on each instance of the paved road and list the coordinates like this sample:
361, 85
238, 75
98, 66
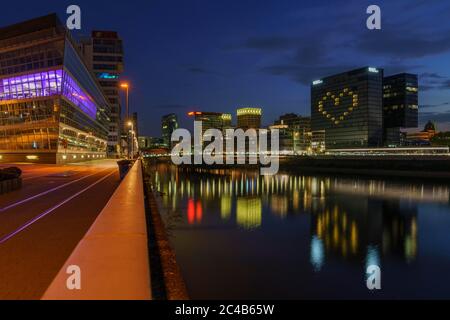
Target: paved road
42, 223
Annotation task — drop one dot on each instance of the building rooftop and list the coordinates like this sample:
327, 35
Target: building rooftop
33, 25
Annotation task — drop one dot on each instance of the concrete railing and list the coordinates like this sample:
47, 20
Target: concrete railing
113, 255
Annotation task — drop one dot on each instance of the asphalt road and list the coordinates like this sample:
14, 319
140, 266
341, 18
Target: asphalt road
41, 224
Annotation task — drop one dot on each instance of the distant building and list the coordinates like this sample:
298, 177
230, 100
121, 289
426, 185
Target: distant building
348, 107
103, 52
212, 120
400, 106
318, 141
52, 108
249, 118
129, 135
423, 137
169, 123
299, 130
148, 143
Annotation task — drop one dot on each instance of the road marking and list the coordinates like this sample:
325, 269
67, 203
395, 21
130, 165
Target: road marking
45, 213
18, 203
50, 175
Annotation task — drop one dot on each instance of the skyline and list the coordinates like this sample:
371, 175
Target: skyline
233, 55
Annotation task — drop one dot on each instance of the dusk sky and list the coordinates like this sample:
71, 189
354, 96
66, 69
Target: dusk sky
216, 55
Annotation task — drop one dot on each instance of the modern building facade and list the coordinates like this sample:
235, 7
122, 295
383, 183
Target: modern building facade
249, 118
51, 107
103, 51
169, 123
400, 106
348, 107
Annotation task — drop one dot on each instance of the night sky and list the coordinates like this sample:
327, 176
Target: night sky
216, 55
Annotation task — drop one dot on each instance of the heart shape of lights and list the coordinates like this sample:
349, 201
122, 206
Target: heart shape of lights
336, 100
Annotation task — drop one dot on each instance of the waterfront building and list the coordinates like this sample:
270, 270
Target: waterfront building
51, 107
286, 138
348, 107
297, 129
148, 143
169, 123
249, 118
103, 52
422, 137
212, 120
318, 141
400, 106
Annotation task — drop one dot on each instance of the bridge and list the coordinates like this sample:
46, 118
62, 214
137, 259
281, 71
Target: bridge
78, 220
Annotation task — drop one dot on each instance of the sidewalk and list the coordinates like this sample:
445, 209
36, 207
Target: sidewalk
113, 255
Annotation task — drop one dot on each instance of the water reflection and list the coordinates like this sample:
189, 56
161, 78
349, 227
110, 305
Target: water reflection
347, 220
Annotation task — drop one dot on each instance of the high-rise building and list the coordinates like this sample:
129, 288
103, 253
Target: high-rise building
400, 101
348, 107
400, 105
212, 120
103, 52
52, 108
169, 123
249, 118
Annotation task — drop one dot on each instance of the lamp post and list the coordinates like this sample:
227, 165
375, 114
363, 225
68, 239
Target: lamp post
126, 87
131, 145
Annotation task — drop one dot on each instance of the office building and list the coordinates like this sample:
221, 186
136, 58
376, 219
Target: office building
51, 107
400, 106
103, 51
212, 120
348, 107
169, 123
249, 118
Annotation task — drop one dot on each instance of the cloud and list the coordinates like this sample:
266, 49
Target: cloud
433, 81
435, 105
394, 41
445, 84
304, 74
431, 75
435, 116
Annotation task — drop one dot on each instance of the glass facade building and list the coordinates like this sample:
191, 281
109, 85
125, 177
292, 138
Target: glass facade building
51, 108
348, 108
400, 106
169, 123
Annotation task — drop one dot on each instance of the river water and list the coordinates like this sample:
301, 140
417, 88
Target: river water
238, 235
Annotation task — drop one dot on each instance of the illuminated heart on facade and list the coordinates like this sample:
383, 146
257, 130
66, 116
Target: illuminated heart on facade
335, 100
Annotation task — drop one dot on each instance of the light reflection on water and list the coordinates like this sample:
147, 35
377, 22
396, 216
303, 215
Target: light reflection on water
240, 235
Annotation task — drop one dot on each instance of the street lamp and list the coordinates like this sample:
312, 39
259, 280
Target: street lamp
126, 86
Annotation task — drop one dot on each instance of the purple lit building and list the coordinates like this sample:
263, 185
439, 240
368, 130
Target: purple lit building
52, 108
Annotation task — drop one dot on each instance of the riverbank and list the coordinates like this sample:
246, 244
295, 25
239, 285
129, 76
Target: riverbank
167, 281
418, 166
